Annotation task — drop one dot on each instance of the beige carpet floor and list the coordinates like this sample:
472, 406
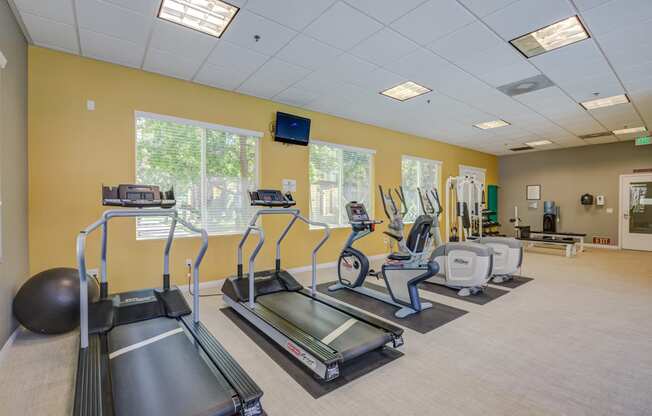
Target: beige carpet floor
575, 341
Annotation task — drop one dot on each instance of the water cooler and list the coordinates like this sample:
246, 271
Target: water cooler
549, 217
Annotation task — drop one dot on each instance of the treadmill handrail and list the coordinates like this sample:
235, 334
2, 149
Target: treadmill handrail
133, 213
296, 215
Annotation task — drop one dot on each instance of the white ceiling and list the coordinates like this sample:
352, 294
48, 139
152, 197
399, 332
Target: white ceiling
336, 56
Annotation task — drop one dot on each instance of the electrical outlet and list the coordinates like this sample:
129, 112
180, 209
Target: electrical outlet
188, 262
93, 273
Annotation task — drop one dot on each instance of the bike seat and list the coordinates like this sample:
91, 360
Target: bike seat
399, 256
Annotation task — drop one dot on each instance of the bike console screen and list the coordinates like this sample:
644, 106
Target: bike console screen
357, 212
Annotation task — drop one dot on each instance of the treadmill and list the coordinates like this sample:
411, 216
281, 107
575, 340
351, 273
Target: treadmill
145, 352
320, 333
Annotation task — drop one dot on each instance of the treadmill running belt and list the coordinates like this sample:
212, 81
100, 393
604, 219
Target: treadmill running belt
329, 325
166, 376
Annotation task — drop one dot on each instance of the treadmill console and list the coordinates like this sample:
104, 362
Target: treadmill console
137, 196
271, 198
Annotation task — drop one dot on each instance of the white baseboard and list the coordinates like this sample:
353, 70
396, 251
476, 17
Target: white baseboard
8, 344
605, 246
211, 284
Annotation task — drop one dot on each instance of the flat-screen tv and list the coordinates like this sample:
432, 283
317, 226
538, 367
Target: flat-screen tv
292, 129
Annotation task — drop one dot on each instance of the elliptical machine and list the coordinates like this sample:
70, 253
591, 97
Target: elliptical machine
465, 266
508, 251
402, 271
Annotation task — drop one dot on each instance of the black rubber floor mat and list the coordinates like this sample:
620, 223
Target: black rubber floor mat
515, 282
305, 378
422, 322
487, 295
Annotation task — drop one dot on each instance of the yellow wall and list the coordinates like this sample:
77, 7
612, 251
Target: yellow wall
73, 151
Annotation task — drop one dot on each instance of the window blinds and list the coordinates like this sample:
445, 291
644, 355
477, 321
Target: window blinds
210, 167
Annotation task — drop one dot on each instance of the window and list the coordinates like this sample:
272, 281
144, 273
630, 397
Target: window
211, 167
416, 173
338, 175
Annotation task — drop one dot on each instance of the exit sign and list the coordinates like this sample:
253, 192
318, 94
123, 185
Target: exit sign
641, 141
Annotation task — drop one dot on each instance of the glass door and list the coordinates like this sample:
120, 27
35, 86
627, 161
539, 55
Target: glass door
636, 212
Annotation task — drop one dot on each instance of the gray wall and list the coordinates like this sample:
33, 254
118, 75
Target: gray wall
564, 175
13, 165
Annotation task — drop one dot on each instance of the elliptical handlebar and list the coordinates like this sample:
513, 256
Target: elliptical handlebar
401, 197
426, 203
435, 195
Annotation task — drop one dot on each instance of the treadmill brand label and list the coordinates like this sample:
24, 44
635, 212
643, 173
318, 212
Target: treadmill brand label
298, 352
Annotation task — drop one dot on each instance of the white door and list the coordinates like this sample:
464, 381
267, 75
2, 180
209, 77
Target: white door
636, 212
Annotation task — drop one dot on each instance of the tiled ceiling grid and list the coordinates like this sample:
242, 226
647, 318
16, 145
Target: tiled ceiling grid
336, 56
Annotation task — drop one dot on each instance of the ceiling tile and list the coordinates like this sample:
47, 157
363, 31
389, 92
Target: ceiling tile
111, 20
602, 140
501, 75
424, 67
145, 7
627, 46
615, 117
585, 89
272, 78
171, 65
466, 42
433, 20
229, 56
51, 34
247, 25
384, 46
617, 14
348, 68
380, 80
584, 5
297, 97
385, 10
574, 62
296, 14
525, 16
308, 52
342, 27
485, 7
220, 77
319, 82
181, 41
107, 48
58, 10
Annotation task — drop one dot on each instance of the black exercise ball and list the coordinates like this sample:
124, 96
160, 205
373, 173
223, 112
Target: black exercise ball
48, 303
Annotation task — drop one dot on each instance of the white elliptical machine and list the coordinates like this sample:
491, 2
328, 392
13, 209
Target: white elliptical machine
462, 265
469, 193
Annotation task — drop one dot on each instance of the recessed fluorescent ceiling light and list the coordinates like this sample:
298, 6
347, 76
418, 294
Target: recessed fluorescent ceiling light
551, 37
538, 143
491, 124
630, 130
605, 102
405, 91
208, 16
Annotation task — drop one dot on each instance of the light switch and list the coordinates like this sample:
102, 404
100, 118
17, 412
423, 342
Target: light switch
610, 210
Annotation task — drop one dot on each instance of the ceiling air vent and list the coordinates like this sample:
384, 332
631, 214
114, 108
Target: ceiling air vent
595, 135
526, 85
520, 149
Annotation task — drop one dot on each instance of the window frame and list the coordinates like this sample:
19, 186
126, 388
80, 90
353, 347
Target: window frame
440, 171
204, 125
372, 194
